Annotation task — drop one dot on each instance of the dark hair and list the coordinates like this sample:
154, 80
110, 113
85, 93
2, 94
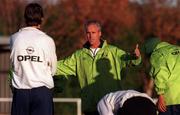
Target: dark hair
138, 106
33, 14
92, 22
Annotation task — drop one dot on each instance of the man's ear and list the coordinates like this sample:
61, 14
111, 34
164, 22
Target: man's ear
100, 33
42, 19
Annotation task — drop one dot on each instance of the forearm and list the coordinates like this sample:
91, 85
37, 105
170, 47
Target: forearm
65, 69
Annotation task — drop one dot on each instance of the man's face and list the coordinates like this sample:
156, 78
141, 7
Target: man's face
93, 35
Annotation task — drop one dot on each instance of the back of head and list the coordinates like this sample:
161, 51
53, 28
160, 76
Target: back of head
150, 43
138, 106
33, 14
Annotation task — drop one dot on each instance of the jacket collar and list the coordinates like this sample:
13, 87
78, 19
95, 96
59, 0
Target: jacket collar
31, 29
102, 44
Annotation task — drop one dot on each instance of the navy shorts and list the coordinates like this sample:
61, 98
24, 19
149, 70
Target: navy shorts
36, 101
171, 110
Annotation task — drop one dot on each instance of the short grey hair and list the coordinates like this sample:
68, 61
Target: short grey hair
92, 22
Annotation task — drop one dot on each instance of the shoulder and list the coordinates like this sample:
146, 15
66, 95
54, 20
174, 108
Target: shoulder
114, 49
44, 38
156, 55
14, 37
164, 49
157, 58
80, 51
48, 38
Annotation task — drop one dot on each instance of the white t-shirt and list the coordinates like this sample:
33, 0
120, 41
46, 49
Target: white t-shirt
94, 51
111, 102
33, 58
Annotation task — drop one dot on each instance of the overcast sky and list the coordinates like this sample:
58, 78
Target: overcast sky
172, 3
50, 1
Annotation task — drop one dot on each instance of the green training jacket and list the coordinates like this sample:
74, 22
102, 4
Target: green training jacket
165, 69
97, 75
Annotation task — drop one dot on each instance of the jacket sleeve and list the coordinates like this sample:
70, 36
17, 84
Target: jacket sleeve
159, 71
67, 66
136, 61
128, 58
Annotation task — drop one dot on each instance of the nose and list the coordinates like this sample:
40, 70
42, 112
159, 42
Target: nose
89, 35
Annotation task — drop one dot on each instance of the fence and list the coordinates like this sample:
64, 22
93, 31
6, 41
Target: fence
55, 100
4, 67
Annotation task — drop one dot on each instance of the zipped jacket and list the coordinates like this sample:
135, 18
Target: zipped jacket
165, 69
97, 75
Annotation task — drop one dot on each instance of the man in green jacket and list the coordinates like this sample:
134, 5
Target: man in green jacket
165, 70
98, 67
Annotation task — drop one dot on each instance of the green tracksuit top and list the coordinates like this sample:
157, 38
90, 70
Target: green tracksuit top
97, 75
165, 69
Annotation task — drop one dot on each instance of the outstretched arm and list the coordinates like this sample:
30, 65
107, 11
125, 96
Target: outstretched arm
66, 66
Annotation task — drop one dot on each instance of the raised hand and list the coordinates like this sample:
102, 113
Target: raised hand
161, 104
137, 51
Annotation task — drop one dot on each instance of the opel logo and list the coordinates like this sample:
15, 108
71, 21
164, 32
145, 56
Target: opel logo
30, 50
